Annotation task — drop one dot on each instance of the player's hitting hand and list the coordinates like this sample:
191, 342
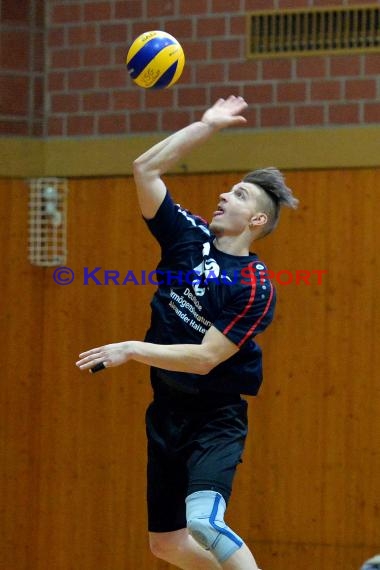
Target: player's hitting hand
104, 357
226, 113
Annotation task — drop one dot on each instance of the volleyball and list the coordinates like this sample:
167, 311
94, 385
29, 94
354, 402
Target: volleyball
155, 60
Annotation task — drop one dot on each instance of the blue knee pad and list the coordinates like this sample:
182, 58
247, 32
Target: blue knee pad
205, 522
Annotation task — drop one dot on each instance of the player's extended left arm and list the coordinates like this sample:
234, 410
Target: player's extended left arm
192, 358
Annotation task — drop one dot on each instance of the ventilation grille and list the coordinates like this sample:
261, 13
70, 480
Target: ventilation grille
314, 31
47, 221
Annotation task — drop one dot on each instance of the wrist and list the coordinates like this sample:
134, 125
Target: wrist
212, 127
130, 349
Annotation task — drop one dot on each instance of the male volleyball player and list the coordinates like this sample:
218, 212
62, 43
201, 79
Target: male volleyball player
213, 299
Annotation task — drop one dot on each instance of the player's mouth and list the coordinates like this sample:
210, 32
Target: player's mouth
219, 212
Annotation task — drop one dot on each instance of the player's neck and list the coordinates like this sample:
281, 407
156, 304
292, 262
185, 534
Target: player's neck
233, 245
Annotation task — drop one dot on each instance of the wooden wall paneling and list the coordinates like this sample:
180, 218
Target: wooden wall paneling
21, 322
96, 448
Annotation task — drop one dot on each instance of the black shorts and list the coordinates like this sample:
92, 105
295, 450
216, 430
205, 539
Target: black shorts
195, 443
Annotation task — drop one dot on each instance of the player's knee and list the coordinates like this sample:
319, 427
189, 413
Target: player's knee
160, 547
222, 542
163, 545
205, 523
202, 532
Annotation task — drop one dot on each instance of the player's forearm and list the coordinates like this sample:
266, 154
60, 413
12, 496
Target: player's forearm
224, 113
165, 154
192, 358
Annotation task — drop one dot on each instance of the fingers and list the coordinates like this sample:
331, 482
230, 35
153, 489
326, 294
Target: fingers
232, 101
92, 351
230, 98
102, 357
235, 99
237, 104
92, 358
232, 107
239, 120
88, 364
225, 113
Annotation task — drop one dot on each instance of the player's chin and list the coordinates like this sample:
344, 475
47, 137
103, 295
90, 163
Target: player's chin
216, 227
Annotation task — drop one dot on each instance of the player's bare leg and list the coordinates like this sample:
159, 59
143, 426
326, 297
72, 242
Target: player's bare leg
242, 559
181, 550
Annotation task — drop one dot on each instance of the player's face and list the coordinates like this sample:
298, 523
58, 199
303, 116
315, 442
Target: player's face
235, 210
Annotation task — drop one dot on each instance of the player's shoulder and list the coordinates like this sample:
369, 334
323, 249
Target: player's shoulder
255, 268
193, 220
256, 279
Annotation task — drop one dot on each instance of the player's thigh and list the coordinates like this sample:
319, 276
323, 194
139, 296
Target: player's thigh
218, 450
166, 479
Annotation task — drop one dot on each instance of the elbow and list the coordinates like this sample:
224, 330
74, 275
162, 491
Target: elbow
203, 369
206, 364
138, 167
144, 171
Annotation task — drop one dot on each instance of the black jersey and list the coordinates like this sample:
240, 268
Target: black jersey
200, 286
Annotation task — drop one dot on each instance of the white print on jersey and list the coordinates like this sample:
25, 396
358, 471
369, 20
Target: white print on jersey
207, 268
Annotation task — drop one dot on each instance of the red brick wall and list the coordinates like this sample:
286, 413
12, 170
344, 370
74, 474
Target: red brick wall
22, 67
89, 92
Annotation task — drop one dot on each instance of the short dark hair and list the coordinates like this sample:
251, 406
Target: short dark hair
275, 195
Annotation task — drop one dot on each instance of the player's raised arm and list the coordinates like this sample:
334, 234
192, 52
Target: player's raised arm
149, 167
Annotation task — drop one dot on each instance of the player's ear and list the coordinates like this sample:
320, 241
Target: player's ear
259, 219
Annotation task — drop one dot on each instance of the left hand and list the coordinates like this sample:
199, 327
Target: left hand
111, 355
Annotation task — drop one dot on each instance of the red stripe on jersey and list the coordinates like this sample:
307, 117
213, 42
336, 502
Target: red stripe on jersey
256, 324
205, 222
248, 305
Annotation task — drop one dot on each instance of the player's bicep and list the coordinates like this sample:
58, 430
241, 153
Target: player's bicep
248, 313
217, 347
151, 191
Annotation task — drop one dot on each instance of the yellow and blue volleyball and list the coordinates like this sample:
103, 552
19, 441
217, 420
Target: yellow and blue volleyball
155, 60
